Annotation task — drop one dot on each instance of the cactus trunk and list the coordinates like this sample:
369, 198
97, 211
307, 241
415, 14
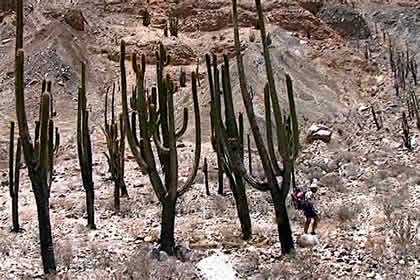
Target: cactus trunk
84, 150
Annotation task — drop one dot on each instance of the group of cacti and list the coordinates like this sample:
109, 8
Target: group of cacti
156, 116
402, 65
150, 128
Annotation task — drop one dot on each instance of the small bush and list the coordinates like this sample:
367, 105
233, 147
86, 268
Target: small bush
64, 253
347, 213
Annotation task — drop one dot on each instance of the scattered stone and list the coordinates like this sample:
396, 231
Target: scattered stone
319, 132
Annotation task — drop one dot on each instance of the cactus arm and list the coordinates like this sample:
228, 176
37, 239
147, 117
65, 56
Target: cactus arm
28, 148
232, 128
122, 144
87, 143
157, 141
19, 25
43, 154
17, 166
230, 145
79, 131
184, 125
241, 134
11, 157
295, 126
269, 131
106, 109
265, 160
50, 151
172, 182
197, 153
281, 130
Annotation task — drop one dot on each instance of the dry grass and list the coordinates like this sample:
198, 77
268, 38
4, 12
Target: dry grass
347, 213
64, 253
141, 265
333, 182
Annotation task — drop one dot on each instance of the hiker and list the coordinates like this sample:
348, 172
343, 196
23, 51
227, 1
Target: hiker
309, 209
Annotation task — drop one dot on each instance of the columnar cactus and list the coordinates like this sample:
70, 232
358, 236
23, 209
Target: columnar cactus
406, 132
287, 139
84, 150
157, 124
14, 173
174, 26
36, 162
233, 134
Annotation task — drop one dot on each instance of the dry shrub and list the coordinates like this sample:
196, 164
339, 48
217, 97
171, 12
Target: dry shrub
346, 157
141, 265
347, 213
220, 205
404, 236
64, 253
391, 204
100, 255
333, 182
5, 244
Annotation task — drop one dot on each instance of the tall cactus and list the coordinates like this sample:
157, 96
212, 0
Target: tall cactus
14, 173
37, 163
216, 144
115, 139
164, 135
233, 134
287, 139
84, 150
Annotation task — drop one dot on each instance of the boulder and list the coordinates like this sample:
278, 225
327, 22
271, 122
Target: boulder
319, 132
216, 267
307, 240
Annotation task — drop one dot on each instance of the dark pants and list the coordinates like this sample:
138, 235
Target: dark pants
308, 222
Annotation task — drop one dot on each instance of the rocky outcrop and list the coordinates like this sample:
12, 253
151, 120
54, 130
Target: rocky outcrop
348, 22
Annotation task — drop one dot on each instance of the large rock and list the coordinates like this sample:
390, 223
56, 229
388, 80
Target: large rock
307, 240
217, 267
319, 132
348, 22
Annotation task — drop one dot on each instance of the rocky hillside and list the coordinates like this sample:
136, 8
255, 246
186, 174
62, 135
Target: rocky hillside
338, 58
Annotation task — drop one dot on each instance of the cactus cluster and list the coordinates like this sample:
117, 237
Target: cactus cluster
287, 133
114, 131
36, 157
156, 116
229, 137
413, 105
84, 149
